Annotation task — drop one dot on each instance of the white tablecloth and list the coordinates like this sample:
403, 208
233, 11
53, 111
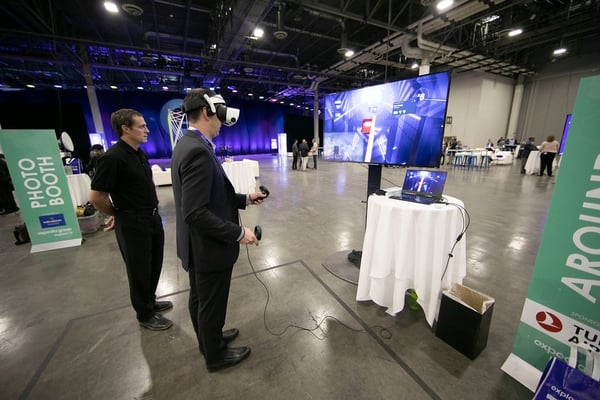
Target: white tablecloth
503, 157
242, 175
79, 187
532, 166
406, 246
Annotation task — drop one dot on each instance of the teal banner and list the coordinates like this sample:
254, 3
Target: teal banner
41, 187
563, 302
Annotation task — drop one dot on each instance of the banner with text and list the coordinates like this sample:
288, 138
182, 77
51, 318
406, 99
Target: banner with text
41, 186
563, 301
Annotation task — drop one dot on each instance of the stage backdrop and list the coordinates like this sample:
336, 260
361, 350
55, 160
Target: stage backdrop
562, 307
69, 110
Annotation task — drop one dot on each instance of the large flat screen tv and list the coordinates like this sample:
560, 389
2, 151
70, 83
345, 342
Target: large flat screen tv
395, 123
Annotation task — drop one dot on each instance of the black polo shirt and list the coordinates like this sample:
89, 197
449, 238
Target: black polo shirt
125, 174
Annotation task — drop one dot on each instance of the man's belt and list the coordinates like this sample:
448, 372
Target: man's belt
140, 211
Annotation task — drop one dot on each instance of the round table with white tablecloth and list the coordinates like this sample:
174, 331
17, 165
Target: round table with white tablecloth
79, 187
406, 246
532, 166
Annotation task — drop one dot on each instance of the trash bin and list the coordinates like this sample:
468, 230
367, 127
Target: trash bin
89, 224
464, 319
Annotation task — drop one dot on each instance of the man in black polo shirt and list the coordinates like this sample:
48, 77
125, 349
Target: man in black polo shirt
123, 175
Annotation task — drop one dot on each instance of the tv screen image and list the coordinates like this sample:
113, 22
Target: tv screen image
395, 123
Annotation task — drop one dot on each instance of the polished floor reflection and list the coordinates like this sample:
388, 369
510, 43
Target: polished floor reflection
67, 330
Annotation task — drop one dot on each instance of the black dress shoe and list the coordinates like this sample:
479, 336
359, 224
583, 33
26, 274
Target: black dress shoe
156, 323
232, 356
229, 335
162, 306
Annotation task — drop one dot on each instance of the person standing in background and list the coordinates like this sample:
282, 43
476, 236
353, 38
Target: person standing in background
313, 152
304, 154
295, 153
96, 152
548, 150
527, 149
8, 205
122, 187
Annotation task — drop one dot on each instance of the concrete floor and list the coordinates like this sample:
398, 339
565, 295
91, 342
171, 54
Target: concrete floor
67, 330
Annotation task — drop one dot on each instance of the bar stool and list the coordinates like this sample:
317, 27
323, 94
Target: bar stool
458, 160
484, 162
470, 160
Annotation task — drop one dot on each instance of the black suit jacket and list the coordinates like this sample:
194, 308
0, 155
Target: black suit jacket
206, 207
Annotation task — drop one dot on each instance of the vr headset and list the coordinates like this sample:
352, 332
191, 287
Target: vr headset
215, 105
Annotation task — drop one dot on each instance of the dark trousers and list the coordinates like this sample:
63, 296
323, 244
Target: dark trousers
546, 160
141, 240
295, 162
315, 161
7, 200
209, 293
523, 162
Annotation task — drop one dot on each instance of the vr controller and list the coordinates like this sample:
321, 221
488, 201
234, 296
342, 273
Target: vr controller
264, 191
257, 228
258, 232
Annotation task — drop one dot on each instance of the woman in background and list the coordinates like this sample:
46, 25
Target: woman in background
548, 150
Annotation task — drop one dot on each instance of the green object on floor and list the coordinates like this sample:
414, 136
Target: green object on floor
412, 303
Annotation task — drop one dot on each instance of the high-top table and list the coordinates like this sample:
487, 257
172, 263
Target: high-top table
406, 246
242, 174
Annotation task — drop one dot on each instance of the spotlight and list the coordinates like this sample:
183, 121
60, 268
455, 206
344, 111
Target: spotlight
111, 6
444, 4
560, 51
515, 32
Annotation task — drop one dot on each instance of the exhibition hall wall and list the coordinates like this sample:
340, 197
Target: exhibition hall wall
480, 107
550, 96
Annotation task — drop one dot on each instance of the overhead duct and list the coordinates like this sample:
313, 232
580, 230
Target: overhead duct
280, 32
278, 54
408, 50
432, 46
343, 41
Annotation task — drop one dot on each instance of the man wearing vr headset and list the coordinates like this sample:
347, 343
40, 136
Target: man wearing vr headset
207, 225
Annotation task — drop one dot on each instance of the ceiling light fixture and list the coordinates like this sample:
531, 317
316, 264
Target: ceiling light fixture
560, 51
515, 32
490, 18
280, 32
414, 65
258, 32
343, 49
111, 6
349, 53
444, 4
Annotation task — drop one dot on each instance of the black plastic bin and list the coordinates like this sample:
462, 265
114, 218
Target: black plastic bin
464, 319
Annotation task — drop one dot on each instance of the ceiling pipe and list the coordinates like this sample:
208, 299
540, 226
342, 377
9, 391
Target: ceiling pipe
408, 50
280, 32
167, 36
432, 46
278, 54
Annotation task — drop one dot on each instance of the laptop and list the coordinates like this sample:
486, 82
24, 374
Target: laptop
422, 186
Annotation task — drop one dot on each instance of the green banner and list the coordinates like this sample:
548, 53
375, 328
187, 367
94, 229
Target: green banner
42, 189
563, 301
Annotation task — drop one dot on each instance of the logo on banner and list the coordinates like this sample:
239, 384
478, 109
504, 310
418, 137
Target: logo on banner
559, 326
549, 321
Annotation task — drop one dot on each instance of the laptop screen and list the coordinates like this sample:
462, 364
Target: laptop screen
424, 182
